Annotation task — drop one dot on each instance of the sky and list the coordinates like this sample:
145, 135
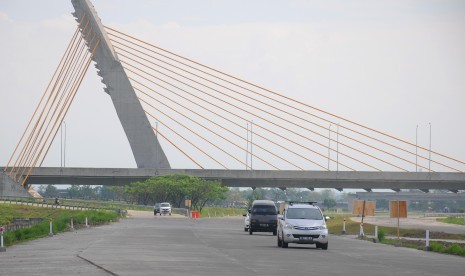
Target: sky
390, 65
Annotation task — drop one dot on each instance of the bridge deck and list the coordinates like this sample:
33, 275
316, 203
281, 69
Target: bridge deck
258, 178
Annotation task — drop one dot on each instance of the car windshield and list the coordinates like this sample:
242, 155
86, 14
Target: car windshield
304, 213
165, 205
264, 210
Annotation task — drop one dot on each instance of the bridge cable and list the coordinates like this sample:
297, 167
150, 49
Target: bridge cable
259, 109
66, 109
211, 104
287, 98
31, 135
60, 91
297, 102
41, 99
237, 107
211, 121
214, 132
264, 103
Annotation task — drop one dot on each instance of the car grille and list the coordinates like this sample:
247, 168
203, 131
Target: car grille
305, 228
313, 236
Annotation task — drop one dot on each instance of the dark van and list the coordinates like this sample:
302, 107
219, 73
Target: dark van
263, 217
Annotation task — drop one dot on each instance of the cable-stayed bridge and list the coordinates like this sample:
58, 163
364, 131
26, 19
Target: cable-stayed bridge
229, 128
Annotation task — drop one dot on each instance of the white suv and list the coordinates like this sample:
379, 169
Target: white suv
165, 208
303, 223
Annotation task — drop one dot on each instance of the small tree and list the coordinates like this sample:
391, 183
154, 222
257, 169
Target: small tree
51, 191
329, 203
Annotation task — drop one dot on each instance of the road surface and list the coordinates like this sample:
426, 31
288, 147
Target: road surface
148, 245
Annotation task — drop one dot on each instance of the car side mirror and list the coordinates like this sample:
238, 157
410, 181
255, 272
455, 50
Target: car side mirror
244, 215
249, 211
327, 218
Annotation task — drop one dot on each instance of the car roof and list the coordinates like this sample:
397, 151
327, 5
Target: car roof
263, 202
299, 205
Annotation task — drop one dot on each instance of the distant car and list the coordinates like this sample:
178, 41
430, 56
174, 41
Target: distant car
156, 209
165, 208
246, 222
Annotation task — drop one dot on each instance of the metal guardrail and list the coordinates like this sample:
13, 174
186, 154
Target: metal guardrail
26, 223
453, 215
20, 223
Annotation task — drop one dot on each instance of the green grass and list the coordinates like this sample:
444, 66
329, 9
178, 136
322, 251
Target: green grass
222, 211
61, 220
459, 221
353, 228
8, 212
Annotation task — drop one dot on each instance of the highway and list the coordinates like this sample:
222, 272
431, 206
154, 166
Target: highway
147, 245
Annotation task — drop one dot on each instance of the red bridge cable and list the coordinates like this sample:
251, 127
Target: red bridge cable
288, 98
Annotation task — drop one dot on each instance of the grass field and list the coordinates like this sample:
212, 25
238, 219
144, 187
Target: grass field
60, 218
407, 236
459, 221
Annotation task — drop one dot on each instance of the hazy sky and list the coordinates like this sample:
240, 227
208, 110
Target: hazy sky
390, 65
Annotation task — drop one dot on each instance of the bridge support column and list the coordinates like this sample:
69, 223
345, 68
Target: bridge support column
8, 187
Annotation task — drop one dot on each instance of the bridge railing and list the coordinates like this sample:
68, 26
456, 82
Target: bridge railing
64, 204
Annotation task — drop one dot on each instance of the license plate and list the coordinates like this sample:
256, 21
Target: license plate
305, 238
263, 225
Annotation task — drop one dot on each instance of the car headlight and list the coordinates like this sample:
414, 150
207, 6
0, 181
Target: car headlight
288, 226
323, 227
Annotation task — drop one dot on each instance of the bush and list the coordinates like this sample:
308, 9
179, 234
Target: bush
381, 234
437, 247
455, 249
61, 223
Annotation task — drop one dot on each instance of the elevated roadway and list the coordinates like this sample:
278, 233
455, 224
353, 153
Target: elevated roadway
410, 196
257, 178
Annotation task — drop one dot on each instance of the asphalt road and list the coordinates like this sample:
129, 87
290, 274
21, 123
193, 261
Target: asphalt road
147, 245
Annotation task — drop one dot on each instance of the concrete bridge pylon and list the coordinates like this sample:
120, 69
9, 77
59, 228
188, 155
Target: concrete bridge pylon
144, 143
8, 187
